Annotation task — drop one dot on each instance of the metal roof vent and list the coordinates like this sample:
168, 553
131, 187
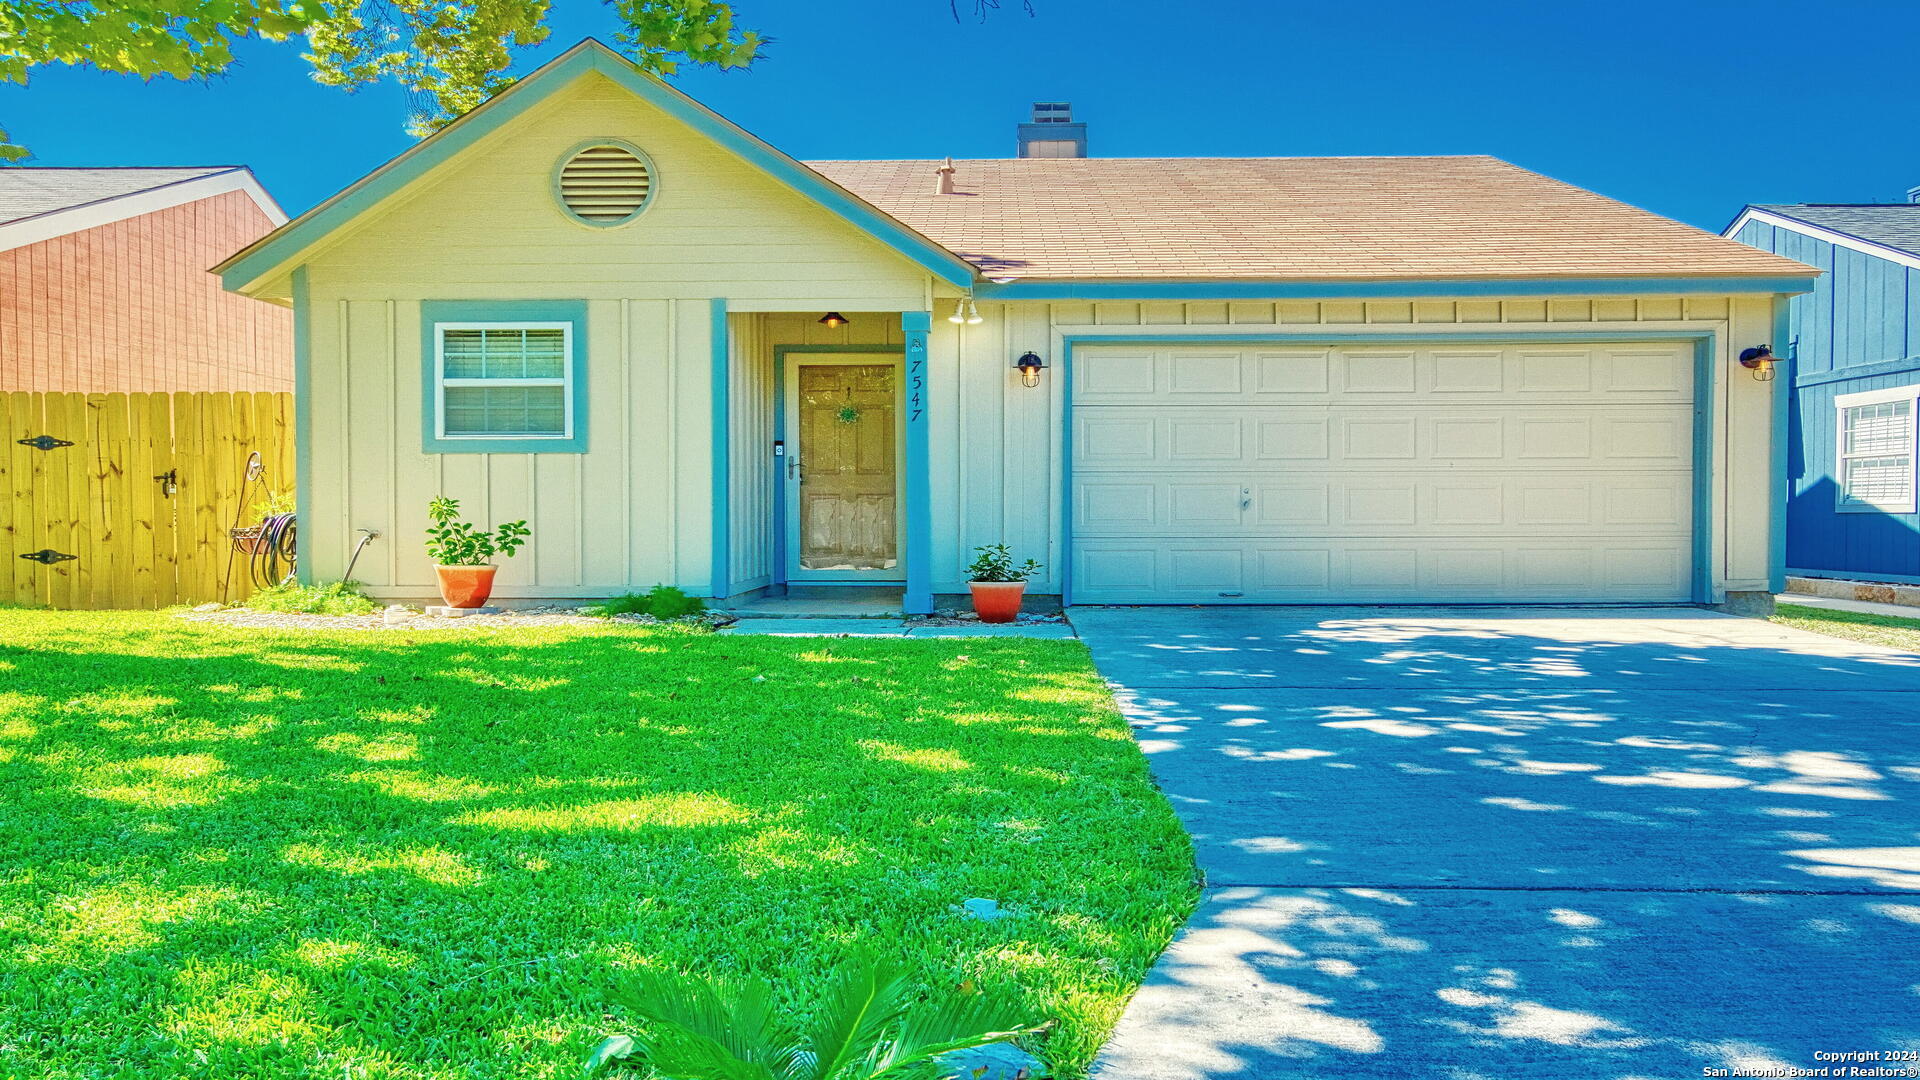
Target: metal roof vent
603, 183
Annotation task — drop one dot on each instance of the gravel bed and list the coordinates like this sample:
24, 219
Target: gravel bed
402, 618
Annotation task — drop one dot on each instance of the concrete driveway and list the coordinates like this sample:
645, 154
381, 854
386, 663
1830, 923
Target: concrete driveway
1488, 844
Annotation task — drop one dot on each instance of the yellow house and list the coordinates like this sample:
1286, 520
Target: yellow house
687, 358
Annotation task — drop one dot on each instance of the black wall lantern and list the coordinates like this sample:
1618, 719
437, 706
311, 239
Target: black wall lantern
833, 320
1760, 361
1030, 365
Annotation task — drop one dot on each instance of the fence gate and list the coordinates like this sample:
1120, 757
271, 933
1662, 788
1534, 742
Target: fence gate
124, 500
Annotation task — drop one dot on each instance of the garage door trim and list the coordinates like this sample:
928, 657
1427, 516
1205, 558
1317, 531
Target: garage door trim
1705, 349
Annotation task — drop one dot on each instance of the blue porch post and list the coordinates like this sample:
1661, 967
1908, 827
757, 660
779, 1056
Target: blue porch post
722, 453
918, 549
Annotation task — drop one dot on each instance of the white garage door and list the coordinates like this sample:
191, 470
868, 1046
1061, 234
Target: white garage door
1448, 473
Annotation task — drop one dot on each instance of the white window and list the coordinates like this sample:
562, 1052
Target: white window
505, 380
1875, 464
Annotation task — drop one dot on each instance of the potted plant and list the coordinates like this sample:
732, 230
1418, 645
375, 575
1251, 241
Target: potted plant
997, 584
463, 555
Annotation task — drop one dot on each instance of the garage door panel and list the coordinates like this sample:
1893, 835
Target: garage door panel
1439, 570
1376, 474
1203, 375
1329, 503
1393, 437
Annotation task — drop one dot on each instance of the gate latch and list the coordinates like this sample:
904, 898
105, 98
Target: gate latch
169, 481
44, 442
48, 556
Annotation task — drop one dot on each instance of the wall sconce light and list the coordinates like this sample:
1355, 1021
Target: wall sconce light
1760, 361
964, 311
1030, 365
974, 317
833, 319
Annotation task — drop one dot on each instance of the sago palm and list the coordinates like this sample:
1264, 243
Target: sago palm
868, 1024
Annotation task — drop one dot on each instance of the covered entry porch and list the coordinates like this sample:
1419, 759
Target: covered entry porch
821, 459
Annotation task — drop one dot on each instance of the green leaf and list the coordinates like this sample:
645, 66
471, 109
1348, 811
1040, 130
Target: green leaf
611, 1049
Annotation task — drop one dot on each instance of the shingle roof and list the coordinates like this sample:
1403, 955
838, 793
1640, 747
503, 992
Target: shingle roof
1286, 218
28, 191
1894, 225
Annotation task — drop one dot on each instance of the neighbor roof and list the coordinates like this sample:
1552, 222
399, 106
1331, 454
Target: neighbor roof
28, 191
1286, 218
40, 203
1894, 225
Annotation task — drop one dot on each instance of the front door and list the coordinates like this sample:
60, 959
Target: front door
843, 503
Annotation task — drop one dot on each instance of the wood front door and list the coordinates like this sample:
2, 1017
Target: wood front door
844, 474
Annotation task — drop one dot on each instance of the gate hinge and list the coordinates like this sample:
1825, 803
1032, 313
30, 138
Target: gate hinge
44, 442
48, 556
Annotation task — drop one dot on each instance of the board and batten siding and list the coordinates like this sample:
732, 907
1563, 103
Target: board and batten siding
998, 468
1858, 330
636, 508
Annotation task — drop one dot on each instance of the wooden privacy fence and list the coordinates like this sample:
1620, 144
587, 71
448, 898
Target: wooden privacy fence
124, 500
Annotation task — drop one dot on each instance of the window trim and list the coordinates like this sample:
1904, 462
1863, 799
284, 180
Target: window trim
1841, 403
568, 316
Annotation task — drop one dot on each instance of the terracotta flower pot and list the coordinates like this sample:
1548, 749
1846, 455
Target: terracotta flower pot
997, 601
466, 586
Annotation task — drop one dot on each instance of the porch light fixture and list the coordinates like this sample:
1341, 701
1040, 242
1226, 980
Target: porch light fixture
964, 311
1760, 361
1030, 365
833, 319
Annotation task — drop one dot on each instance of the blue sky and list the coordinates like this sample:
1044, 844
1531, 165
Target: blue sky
1690, 109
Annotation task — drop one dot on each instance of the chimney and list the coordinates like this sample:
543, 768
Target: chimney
944, 184
1053, 134
1913, 194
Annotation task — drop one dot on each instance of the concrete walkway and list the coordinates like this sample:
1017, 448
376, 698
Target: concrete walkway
1864, 607
863, 627
1501, 844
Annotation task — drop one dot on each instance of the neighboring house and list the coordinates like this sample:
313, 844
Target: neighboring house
104, 284
1854, 346
686, 357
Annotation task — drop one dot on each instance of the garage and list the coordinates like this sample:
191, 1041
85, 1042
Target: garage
1443, 472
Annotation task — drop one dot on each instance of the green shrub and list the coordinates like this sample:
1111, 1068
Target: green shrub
661, 602
334, 598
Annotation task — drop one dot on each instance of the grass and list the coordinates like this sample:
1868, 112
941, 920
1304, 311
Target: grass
1873, 629
233, 854
335, 598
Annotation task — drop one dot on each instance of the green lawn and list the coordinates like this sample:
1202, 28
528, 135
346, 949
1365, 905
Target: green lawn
230, 854
1853, 625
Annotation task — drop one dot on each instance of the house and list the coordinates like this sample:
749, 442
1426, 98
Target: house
685, 357
1854, 343
104, 284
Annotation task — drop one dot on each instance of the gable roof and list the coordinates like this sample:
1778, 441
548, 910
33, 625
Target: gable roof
1287, 218
276, 252
38, 203
1891, 226
1125, 222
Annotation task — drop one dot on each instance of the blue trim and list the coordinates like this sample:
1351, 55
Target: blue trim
439, 311
1863, 576
918, 553
303, 419
589, 56
722, 451
1782, 390
1400, 288
1857, 371
780, 354
1705, 349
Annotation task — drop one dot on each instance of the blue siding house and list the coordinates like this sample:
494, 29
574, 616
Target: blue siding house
1852, 349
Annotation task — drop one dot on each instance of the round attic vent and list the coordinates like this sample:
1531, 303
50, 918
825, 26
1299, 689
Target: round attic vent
605, 183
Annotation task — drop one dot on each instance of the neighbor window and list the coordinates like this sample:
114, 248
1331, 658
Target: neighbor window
1875, 463
505, 380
